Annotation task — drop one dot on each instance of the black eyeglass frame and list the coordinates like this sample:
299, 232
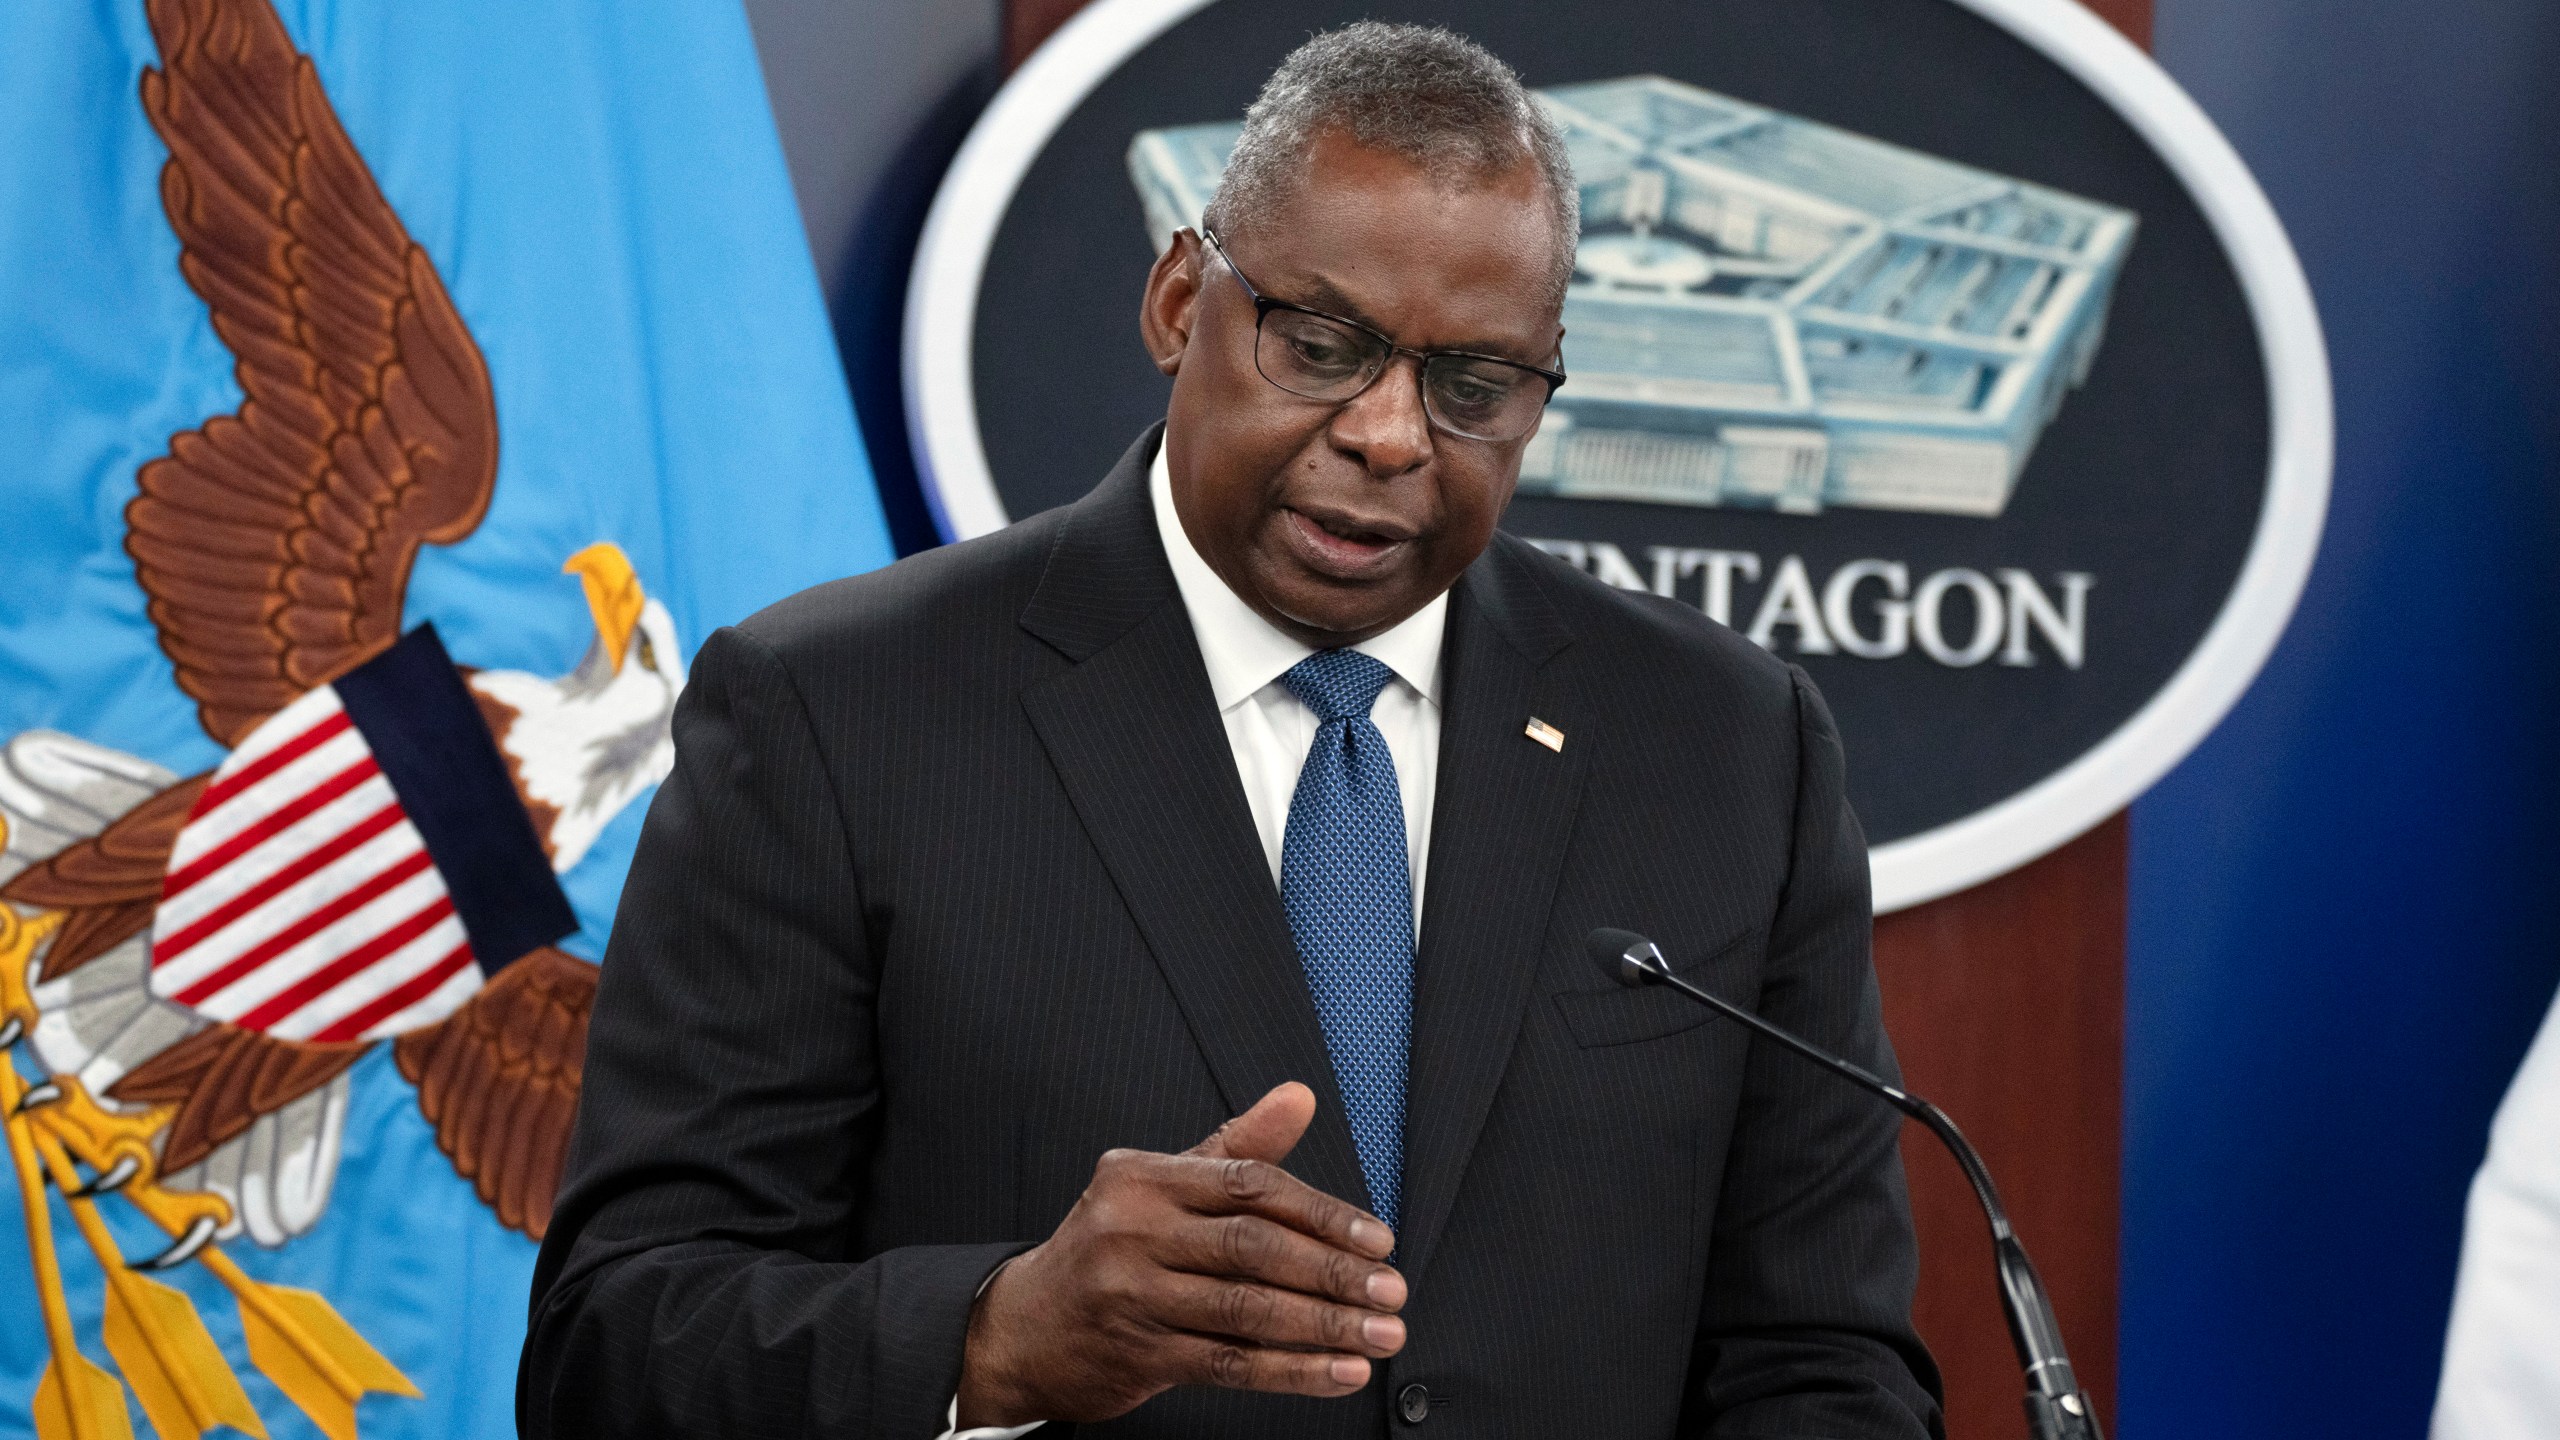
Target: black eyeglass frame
1263, 305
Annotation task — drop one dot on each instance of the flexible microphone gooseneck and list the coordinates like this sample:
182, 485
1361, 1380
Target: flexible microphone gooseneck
2057, 1409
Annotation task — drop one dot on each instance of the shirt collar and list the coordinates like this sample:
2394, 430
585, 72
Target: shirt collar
1245, 652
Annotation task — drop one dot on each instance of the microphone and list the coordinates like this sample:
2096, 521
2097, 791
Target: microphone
2057, 1409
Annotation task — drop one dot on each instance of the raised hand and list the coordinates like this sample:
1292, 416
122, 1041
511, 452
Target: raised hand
1211, 1267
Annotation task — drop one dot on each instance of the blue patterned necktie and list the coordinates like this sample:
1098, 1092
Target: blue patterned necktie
1349, 892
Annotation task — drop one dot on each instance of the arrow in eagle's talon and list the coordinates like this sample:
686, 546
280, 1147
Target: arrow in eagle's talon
116, 1177
43, 1094
199, 1234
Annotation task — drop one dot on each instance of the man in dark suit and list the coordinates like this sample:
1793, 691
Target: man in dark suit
1265, 794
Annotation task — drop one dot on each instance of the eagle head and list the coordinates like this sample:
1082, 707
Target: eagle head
587, 744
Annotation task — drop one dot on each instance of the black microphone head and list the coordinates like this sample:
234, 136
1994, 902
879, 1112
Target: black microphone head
1625, 956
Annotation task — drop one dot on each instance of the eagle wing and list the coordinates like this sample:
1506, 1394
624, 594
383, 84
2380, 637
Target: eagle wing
263, 1130
222, 1079
275, 543
498, 1079
106, 884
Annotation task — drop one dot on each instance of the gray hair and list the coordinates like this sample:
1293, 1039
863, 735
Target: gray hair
1423, 93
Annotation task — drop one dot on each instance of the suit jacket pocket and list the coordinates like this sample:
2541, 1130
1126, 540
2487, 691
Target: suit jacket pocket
1624, 1015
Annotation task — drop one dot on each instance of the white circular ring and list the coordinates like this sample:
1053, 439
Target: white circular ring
942, 411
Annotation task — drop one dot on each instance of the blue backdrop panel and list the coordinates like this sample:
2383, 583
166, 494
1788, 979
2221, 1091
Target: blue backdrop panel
2345, 921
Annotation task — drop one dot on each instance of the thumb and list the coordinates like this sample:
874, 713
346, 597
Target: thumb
1268, 1131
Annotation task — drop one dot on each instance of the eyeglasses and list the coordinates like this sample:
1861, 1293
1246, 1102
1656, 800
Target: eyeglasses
1325, 357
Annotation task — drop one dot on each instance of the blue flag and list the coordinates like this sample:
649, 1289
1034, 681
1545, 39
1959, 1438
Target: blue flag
392, 396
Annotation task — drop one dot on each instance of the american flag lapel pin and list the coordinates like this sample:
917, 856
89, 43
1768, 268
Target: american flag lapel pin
1546, 734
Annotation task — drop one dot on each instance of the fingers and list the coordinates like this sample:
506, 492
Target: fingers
1268, 1131
1213, 1267
1261, 1316
1255, 1187
1203, 1361
1237, 1169
1249, 1247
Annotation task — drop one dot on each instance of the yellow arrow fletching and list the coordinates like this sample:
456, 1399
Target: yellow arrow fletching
317, 1359
78, 1401
289, 1361
170, 1360
352, 1352
153, 1331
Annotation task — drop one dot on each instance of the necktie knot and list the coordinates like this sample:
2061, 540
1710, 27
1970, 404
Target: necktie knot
1338, 684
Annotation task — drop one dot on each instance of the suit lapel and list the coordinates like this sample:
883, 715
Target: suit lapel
1133, 732
1500, 822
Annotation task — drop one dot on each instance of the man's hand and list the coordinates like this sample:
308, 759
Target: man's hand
1211, 1267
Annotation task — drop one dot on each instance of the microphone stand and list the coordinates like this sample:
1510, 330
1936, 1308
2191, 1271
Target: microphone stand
2057, 1408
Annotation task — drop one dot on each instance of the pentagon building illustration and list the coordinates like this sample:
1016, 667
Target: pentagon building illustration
1770, 312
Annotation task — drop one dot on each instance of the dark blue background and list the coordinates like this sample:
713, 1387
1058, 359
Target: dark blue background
2346, 904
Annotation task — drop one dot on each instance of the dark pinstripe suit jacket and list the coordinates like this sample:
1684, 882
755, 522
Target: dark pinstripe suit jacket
954, 887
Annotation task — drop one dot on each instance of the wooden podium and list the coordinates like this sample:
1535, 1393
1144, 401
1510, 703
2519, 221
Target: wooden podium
2006, 1005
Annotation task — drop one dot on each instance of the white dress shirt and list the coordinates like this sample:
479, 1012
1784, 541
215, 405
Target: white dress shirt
1269, 729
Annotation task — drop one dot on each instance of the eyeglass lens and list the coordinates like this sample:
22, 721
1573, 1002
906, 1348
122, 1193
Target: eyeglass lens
1323, 359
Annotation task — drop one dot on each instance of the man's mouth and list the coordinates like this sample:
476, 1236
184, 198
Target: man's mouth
1346, 547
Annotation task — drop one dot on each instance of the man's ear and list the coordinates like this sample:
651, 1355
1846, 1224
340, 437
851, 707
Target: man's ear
1172, 299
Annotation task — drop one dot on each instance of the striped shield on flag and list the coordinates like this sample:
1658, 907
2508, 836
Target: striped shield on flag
358, 866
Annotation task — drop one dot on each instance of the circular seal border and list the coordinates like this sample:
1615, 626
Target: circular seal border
960, 230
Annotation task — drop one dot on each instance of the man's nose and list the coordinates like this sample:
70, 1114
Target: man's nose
1385, 425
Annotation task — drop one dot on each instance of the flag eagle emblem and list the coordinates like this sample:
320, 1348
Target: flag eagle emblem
195, 962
